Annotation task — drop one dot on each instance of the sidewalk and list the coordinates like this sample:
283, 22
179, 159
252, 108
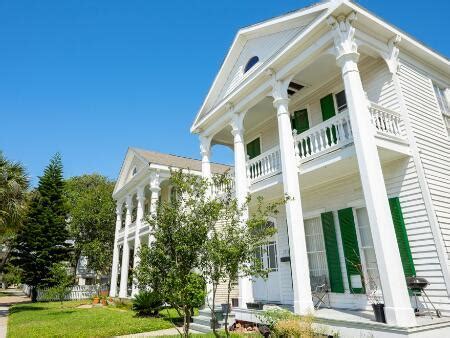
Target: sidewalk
14, 296
159, 333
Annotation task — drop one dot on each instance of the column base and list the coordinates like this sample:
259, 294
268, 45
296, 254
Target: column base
112, 293
123, 294
403, 317
303, 307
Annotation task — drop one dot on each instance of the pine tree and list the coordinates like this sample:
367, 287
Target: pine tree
43, 241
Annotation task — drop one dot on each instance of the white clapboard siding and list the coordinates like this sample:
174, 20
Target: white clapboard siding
378, 84
432, 140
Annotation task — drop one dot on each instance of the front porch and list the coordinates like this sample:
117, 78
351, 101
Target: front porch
360, 323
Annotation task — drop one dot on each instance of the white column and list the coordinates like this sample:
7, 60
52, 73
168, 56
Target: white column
115, 262
123, 292
241, 190
137, 237
395, 293
296, 230
205, 152
155, 191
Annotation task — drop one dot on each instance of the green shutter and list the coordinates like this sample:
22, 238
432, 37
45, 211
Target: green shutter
332, 252
350, 244
301, 122
254, 148
327, 107
402, 237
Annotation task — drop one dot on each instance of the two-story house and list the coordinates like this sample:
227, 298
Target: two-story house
349, 116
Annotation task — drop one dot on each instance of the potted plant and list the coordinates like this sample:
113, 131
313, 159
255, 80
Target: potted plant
104, 297
95, 299
374, 296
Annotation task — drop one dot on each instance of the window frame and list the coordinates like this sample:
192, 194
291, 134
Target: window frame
323, 252
247, 68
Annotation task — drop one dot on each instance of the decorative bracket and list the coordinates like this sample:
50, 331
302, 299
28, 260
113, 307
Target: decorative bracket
391, 57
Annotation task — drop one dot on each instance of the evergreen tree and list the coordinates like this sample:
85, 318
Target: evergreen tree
43, 240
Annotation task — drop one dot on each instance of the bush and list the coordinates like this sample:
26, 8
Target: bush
300, 327
147, 303
273, 316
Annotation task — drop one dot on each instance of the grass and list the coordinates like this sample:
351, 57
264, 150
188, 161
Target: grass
51, 320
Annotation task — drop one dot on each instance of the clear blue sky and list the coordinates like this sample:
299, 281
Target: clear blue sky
90, 78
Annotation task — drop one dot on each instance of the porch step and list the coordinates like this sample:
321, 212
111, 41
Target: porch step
200, 328
202, 320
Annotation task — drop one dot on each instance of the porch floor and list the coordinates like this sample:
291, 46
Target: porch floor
359, 323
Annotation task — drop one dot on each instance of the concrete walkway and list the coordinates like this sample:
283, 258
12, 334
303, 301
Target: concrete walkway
14, 296
158, 333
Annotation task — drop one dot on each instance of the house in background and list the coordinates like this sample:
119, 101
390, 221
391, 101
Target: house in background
349, 116
142, 182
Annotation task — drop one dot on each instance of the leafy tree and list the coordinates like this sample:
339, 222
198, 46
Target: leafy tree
180, 229
61, 281
43, 240
232, 245
91, 220
13, 202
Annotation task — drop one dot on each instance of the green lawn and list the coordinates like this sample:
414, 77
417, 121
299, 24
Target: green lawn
50, 320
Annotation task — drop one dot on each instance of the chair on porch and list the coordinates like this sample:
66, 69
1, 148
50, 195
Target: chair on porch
320, 291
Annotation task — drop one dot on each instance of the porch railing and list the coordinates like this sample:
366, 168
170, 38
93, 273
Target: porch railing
265, 165
387, 122
333, 133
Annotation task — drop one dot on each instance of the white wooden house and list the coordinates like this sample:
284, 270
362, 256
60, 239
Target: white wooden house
349, 116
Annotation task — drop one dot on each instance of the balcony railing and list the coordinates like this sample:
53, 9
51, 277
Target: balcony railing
265, 165
387, 122
327, 136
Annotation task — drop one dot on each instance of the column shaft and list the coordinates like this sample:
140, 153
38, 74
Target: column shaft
115, 262
123, 292
294, 215
241, 190
395, 293
137, 237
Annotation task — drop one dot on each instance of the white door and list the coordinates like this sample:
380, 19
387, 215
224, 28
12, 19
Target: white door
315, 247
268, 290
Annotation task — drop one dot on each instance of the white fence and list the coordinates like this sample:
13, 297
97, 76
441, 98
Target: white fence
77, 292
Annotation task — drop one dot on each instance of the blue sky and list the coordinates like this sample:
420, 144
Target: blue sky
90, 78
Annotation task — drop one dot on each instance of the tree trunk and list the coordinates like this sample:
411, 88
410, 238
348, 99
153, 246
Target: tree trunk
229, 288
187, 321
33, 294
5, 258
213, 313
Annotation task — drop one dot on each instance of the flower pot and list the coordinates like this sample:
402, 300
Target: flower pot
104, 302
378, 310
226, 308
95, 300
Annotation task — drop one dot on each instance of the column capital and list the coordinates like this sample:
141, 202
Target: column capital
119, 207
129, 202
344, 35
237, 124
140, 193
280, 89
205, 145
155, 180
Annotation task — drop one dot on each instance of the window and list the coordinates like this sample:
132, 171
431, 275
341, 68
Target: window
368, 252
442, 100
341, 101
134, 171
267, 255
173, 194
124, 215
250, 63
315, 248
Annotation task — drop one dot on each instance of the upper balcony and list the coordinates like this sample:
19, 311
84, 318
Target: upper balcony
331, 141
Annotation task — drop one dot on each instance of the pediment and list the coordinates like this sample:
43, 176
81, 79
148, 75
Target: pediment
263, 40
132, 165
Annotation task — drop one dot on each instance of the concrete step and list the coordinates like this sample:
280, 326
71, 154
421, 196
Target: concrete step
202, 320
200, 328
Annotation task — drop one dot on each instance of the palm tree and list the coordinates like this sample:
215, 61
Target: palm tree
13, 200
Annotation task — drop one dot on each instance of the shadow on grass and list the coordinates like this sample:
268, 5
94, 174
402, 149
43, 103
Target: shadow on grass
23, 308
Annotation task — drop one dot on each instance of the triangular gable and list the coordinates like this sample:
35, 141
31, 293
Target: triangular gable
264, 40
133, 161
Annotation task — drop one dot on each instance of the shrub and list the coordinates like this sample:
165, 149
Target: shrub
299, 327
147, 303
273, 316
